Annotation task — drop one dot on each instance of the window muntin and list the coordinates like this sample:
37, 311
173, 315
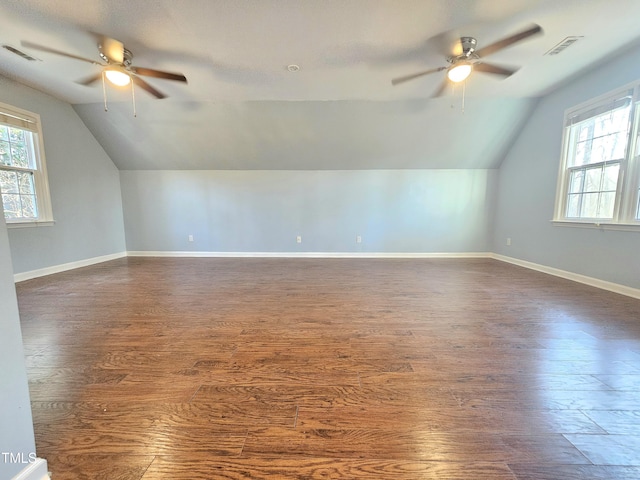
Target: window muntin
597, 181
23, 180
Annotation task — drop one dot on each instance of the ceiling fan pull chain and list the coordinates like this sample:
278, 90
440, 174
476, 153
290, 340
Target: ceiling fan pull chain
453, 94
104, 93
133, 100
464, 90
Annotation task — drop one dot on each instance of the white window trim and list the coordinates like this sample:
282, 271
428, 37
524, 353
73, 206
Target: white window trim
627, 196
604, 225
20, 118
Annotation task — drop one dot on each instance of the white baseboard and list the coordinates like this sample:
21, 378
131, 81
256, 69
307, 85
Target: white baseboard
309, 254
34, 471
576, 277
41, 272
594, 282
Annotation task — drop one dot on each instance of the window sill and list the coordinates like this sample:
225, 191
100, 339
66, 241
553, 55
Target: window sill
44, 223
628, 227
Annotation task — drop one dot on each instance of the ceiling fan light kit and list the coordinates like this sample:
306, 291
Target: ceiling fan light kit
117, 77
459, 72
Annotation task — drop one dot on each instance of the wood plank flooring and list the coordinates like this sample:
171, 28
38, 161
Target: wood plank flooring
455, 369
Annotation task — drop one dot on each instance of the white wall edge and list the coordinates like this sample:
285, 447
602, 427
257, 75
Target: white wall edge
310, 254
34, 471
576, 277
20, 277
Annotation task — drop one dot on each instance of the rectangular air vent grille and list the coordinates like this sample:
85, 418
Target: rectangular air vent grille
19, 53
563, 45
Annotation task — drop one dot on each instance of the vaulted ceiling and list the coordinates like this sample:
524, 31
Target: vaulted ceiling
243, 109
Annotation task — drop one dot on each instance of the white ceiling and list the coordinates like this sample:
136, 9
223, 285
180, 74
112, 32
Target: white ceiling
242, 108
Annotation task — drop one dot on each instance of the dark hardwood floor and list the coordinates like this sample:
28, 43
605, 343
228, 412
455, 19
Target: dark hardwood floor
149, 368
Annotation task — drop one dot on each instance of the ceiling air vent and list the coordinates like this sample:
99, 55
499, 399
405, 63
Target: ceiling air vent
19, 53
563, 45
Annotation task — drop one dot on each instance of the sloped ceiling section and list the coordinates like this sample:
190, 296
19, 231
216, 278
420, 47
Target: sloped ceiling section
243, 109
332, 135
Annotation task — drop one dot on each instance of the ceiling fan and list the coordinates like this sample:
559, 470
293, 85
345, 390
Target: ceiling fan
467, 59
118, 67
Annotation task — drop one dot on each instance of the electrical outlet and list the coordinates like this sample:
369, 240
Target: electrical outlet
191, 238
508, 241
358, 239
299, 239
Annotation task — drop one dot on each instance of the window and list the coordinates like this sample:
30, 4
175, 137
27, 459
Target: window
23, 177
598, 181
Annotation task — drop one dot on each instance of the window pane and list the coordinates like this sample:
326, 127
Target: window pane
607, 202
611, 177
11, 204
4, 132
575, 185
585, 132
579, 157
5, 153
16, 135
19, 206
610, 147
573, 206
592, 180
590, 205
611, 122
583, 153
618, 145
25, 183
19, 155
598, 150
29, 209
8, 182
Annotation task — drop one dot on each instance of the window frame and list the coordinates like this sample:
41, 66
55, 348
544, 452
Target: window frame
29, 121
626, 212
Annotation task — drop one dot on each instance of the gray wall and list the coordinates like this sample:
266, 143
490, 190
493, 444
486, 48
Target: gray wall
527, 189
263, 211
16, 426
84, 184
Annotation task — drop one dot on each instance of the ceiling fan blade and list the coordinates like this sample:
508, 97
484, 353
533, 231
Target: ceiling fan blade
43, 48
112, 49
505, 42
490, 68
441, 88
149, 72
145, 86
89, 80
406, 78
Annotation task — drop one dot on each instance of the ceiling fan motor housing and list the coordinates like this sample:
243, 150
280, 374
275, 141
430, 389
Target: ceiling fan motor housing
127, 56
468, 46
